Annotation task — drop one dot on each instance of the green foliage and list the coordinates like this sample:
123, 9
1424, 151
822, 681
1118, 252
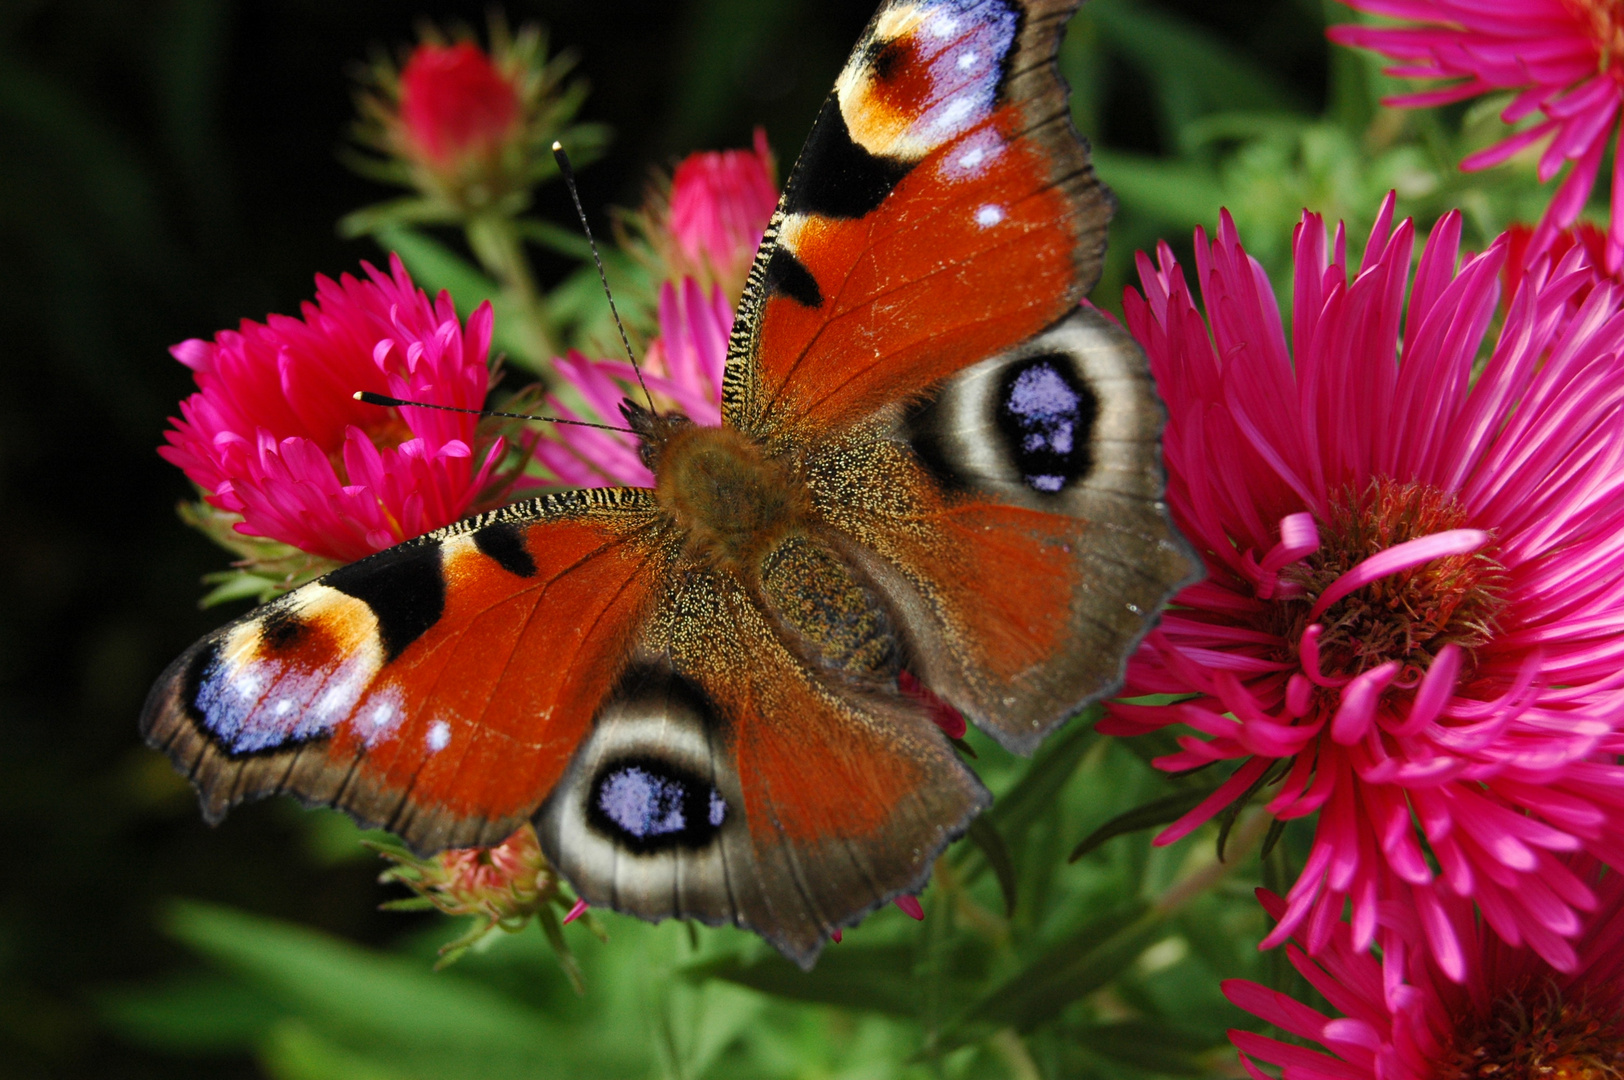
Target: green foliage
1095, 955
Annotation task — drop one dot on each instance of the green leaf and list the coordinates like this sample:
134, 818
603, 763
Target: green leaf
1181, 194
1035, 793
1154, 1046
878, 978
1077, 966
1168, 808
571, 242
436, 267
194, 1013
293, 1051
985, 835
406, 210
1193, 72
354, 989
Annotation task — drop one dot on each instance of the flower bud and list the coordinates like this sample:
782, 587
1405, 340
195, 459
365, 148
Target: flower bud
457, 111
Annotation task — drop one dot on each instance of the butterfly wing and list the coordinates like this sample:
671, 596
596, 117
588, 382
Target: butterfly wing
728, 781
564, 661
942, 209
910, 331
437, 689
1021, 532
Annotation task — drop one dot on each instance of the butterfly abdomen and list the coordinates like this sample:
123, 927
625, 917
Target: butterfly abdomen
828, 609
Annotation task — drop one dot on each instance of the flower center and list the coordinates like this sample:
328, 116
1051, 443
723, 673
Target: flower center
384, 427
1606, 21
1536, 1035
1408, 616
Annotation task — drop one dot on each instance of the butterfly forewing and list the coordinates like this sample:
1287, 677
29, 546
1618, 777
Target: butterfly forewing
942, 210
437, 689
910, 331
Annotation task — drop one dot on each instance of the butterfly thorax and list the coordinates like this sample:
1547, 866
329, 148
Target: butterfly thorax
747, 513
731, 501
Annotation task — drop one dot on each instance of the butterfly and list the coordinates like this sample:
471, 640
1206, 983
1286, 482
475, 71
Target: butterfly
932, 461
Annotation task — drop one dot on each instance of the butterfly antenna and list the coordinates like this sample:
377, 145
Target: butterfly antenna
568, 173
369, 398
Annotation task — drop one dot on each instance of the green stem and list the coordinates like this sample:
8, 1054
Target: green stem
496, 243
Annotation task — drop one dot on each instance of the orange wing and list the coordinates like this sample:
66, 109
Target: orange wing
437, 689
942, 210
1017, 526
728, 780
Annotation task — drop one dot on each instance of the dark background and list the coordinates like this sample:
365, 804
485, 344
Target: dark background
167, 168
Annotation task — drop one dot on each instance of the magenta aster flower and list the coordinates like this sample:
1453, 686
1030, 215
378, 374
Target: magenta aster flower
720, 204
682, 369
274, 434
1565, 59
1520, 254
1514, 1016
1411, 622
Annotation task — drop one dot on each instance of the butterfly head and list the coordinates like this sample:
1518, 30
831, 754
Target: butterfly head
718, 486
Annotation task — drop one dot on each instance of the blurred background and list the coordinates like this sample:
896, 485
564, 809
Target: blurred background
168, 167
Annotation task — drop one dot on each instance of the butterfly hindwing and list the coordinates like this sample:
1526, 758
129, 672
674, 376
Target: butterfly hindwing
942, 210
1020, 532
437, 689
735, 784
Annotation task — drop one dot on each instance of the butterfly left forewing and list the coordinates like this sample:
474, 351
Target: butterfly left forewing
437, 689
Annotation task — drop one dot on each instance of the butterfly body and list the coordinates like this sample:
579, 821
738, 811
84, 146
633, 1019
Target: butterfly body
931, 461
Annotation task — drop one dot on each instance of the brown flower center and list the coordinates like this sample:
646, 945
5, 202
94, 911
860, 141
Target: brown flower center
1407, 616
1606, 21
1537, 1035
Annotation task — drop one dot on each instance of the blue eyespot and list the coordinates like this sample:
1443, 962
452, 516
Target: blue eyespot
1046, 416
648, 804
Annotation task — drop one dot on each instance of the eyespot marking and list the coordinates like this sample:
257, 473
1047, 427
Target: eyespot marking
1046, 415
647, 804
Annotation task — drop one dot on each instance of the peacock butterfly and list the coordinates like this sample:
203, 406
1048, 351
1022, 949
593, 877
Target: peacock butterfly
931, 461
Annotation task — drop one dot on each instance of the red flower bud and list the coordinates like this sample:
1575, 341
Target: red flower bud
455, 106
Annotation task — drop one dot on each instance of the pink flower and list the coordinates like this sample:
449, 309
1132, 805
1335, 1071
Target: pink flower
505, 883
1411, 622
1520, 254
455, 106
274, 433
683, 370
1513, 1017
721, 202
1565, 59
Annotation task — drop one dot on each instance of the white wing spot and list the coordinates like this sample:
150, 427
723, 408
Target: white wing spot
989, 215
942, 26
439, 736
284, 706
967, 59
956, 110
382, 713
972, 157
